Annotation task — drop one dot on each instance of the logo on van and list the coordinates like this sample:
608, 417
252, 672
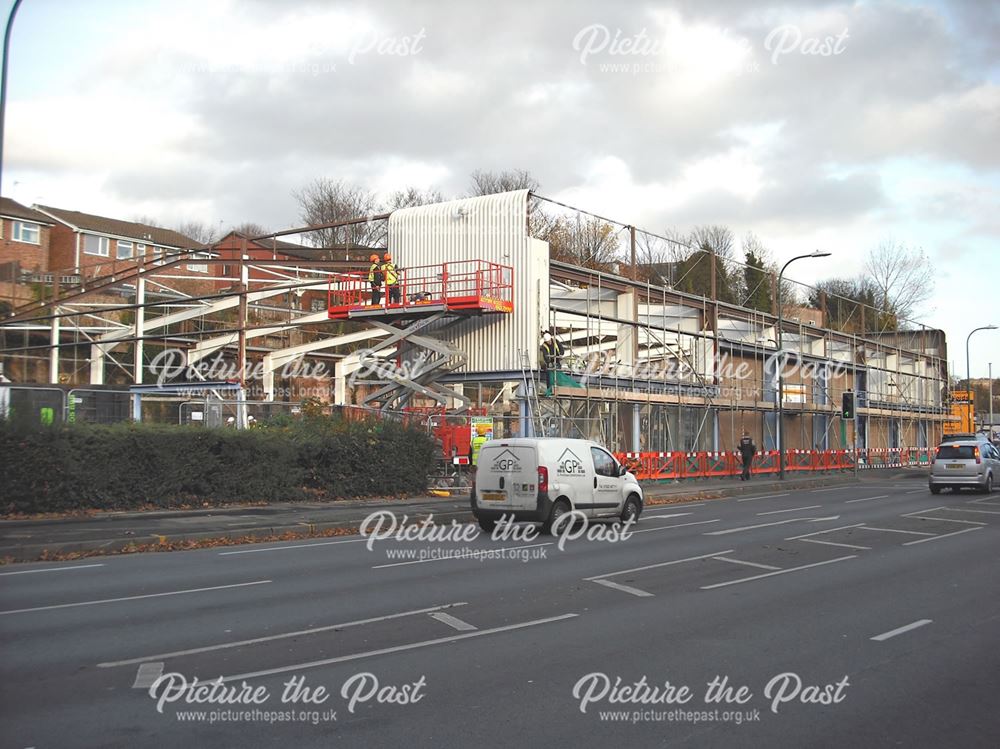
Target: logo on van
506, 461
569, 464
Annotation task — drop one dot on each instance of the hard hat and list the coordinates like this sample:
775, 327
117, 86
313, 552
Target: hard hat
374, 258
387, 256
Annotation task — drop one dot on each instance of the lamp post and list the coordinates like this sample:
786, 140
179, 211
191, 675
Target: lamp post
781, 364
968, 375
3, 78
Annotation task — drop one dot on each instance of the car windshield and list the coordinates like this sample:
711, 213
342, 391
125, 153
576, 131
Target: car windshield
956, 452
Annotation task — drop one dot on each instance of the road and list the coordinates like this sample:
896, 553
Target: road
865, 614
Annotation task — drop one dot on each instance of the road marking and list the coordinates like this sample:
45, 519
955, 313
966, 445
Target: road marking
269, 638
778, 572
791, 509
866, 499
460, 557
147, 675
977, 512
943, 535
398, 648
829, 530
624, 588
900, 630
767, 525
981, 500
453, 621
832, 543
659, 564
917, 491
762, 496
749, 564
944, 520
896, 530
676, 525
296, 546
831, 489
51, 569
671, 515
131, 598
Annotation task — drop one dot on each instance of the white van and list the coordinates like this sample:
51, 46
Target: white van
538, 480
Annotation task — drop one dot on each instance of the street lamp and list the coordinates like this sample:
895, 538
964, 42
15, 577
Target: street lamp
780, 362
968, 375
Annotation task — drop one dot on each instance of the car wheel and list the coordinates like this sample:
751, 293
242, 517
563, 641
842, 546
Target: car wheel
631, 510
988, 488
935, 490
559, 509
487, 524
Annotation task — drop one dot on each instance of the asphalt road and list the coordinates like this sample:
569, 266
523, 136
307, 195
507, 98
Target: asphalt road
864, 615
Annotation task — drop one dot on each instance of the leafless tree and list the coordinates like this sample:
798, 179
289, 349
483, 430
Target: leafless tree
325, 201
200, 231
586, 241
488, 183
412, 196
249, 229
902, 277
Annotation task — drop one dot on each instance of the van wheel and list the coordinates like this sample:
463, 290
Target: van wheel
935, 490
487, 525
631, 509
559, 509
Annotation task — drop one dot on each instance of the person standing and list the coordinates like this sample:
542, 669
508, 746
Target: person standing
375, 279
747, 450
550, 353
391, 279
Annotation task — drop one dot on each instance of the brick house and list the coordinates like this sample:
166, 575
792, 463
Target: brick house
25, 236
96, 246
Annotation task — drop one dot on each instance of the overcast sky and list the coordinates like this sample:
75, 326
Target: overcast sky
824, 125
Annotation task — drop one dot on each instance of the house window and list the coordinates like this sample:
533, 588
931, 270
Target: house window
317, 304
197, 267
25, 231
125, 249
140, 250
94, 245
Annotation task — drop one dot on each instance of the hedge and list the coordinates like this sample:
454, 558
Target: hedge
128, 466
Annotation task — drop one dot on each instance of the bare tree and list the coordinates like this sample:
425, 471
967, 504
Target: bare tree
902, 278
325, 201
200, 231
488, 183
587, 241
249, 229
412, 196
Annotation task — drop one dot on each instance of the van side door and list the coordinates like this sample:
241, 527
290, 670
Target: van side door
607, 482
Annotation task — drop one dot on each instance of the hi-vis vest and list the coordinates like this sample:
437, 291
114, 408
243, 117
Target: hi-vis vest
371, 274
391, 279
477, 445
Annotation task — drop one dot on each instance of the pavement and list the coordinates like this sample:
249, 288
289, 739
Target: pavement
858, 614
114, 532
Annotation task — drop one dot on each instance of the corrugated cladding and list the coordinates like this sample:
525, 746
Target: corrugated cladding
493, 228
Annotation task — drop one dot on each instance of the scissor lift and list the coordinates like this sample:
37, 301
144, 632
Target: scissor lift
431, 297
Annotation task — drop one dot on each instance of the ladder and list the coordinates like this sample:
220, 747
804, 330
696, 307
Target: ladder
530, 392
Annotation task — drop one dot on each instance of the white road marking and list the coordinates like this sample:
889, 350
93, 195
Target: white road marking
459, 557
981, 500
749, 564
977, 512
671, 515
676, 525
453, 621
624, 588
831, 489
918, 491
829, 530
397, 648
762, 496
778, 572
866, 499
147, 675
833, 543
945, 520
269, 638
791, 509
295, 546
52, 569
943, 535
767, 525
659, 564
896, 530
900, 630
131, 598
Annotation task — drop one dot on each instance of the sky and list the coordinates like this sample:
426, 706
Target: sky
814, 125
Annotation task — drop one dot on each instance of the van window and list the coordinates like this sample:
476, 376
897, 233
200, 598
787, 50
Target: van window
956, 452
604, 464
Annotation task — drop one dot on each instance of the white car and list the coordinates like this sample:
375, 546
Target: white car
538, 480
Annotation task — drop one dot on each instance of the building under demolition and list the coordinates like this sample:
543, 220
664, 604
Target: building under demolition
643, 368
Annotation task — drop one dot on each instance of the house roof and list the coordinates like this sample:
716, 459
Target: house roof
117, 228
12, 209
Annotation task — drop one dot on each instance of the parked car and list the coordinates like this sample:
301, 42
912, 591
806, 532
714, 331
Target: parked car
538, 480
964, 460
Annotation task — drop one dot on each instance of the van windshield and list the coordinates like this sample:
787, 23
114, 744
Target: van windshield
956, 452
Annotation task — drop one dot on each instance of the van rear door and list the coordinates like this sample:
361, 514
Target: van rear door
507, 477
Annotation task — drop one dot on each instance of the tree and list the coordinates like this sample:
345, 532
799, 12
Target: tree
249, 229
694, 271
587, 241
326, 201
845, 300
489, 183
200, 231
756, 277
902, 278
412, 196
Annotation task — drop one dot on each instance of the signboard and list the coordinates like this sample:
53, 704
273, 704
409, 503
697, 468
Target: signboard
794, 393
962, 414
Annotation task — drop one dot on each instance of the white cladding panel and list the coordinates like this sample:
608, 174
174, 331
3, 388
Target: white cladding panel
493, 228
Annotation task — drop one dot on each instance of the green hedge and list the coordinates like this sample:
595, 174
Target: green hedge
125, 466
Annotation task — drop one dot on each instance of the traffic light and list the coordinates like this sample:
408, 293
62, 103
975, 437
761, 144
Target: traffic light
847, 405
